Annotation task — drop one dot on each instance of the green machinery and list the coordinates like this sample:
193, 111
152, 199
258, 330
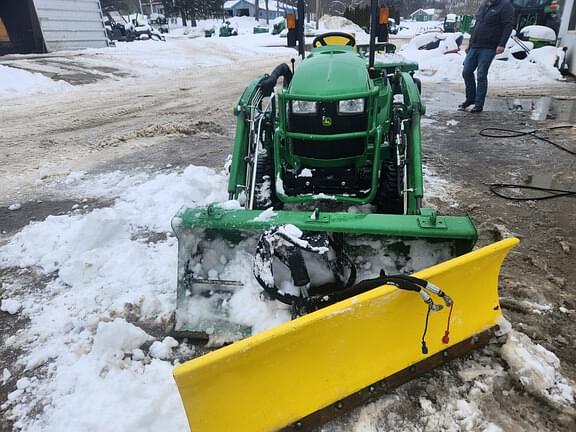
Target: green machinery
327, 170
227, 30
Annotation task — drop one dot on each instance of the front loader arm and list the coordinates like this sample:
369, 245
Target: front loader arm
415, 109
238, 167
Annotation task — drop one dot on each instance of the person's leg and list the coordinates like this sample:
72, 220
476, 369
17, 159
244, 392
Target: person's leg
470, 65
485, 57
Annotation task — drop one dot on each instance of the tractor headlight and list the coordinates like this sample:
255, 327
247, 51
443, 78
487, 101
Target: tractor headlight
351, 106
304, 107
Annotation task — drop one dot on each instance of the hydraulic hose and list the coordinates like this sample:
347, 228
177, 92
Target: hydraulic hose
268, 83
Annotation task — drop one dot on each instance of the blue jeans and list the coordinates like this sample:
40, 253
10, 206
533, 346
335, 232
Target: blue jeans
477, 59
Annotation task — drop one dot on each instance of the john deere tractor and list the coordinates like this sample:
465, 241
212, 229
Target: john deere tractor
326, 213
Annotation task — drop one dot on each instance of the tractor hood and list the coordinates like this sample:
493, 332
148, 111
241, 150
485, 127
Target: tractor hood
331, 71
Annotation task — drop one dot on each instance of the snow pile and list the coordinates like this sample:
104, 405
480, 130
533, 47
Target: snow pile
445, 62
409, 29
445, 401
20, 82
539, 32
104, 270
537, 369
339, 23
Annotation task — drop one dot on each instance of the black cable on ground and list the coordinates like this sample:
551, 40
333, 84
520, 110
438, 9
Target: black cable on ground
511, 133
553, 193
496, 188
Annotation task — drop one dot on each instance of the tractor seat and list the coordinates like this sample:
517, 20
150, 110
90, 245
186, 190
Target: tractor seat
334, 38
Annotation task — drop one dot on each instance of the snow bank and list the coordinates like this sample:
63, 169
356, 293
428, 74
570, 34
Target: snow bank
339, 23
103, 270
442, 64
16, 82
537, 369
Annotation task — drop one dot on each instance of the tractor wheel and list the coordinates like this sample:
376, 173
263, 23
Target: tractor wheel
265, 184
388, 200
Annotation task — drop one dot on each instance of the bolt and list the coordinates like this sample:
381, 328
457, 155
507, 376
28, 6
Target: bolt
339, 405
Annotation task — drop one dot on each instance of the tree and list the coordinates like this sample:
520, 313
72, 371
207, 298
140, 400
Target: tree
267, 12
257, 10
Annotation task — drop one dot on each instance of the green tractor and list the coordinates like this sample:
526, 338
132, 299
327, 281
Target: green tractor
325, 225
326, 176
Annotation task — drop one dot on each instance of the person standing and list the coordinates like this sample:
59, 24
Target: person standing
494, 24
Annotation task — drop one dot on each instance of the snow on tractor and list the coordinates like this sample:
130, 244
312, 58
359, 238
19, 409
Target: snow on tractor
326, 186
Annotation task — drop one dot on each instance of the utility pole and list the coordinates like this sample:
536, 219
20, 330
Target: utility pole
318, 8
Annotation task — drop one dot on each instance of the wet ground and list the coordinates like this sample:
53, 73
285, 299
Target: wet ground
182, 121
541, 270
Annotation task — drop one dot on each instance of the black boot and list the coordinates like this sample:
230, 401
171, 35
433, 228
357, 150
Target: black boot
465, 104
476, 109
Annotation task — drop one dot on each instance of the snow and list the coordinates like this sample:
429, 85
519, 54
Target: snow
445, 63
537, 369
78, 329
15, 206
409, 29
266, 215
10, 306
539, 32
163, 350
20, 82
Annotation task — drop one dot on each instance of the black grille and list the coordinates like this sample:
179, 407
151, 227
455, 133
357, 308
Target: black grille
328, 149
317, 124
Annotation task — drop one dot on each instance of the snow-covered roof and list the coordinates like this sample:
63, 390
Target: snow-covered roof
426, 11
271, 4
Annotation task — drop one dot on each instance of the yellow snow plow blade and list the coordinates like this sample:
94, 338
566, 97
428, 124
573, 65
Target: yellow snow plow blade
301, 373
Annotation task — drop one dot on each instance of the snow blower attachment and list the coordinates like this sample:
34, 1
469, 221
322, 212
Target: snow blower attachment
325, 226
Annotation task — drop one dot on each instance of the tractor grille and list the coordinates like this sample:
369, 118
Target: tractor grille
328, 149
339, 123
317, 124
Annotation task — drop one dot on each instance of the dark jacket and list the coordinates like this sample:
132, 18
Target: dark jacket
494, 23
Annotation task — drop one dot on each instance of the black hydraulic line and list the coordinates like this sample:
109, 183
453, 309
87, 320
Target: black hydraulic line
511, 133
553, 193
268, 83
496, 188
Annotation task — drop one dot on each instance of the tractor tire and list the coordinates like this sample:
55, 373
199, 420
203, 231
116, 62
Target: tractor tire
265, 184
388, 199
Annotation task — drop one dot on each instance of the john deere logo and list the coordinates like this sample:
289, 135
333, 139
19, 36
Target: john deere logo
326, 121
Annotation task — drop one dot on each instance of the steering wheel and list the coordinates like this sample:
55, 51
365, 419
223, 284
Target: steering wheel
334, 38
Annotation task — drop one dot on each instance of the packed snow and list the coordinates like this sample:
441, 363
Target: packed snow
20, 82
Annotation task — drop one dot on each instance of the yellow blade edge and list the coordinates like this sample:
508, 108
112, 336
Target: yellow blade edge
272, 379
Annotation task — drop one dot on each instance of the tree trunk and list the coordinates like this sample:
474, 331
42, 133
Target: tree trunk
257, 10
183, 15
267, 12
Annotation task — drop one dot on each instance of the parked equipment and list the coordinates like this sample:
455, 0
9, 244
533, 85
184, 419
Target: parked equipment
226, 29
342, 131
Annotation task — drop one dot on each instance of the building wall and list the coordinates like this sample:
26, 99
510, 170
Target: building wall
71, 24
